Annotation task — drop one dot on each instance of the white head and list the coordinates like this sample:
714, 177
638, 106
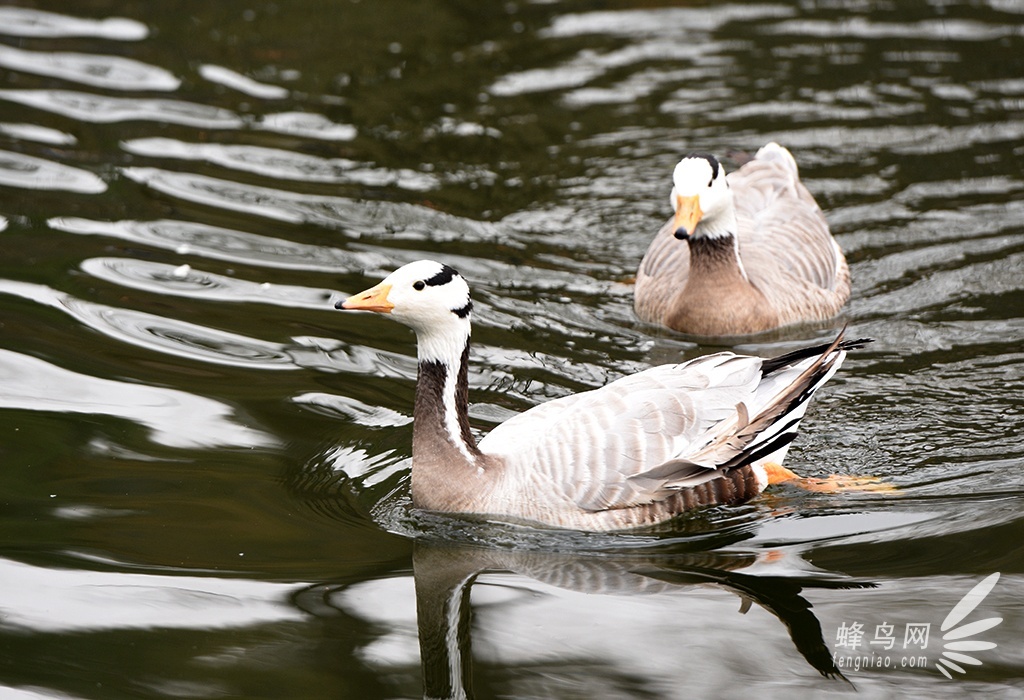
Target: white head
431, 298
700, 194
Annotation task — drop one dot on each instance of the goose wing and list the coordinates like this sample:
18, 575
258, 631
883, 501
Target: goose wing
662, 274
636, 439
784, 237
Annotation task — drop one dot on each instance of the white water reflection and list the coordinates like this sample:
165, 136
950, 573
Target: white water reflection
66, 600
236, 196
236, 81
186, 238
665, 22
107, 72
159, 333
29, 172
37, 133
353, 410
946, 29
101, 109
183, 281
358, 216
660, 36
27, 22
175, 418
308, 125
282, 164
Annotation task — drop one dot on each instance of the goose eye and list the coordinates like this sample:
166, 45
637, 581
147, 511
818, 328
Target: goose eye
418, 285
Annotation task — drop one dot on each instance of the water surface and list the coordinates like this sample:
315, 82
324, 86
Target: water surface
204, 489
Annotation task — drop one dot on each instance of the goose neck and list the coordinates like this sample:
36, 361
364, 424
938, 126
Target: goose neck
441, 432
717, 246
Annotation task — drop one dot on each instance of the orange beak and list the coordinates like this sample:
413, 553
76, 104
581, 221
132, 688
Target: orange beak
688, 215
373, 299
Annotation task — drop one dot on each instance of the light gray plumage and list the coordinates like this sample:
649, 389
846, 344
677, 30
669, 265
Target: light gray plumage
784, 267
632, 453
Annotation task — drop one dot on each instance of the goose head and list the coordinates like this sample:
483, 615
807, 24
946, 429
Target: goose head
431, 298
701, 195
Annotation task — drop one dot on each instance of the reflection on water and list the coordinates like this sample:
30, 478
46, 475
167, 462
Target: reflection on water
100, 109
54, 600
28, 22
177, 418
107, 72
281, 164
186, 188
185, 281
445, 576
188, 239
242, 83
19, 170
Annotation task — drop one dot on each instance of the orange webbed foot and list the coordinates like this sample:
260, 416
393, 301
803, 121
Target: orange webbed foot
835, 483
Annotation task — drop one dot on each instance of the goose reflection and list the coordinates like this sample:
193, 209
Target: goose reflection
446, 573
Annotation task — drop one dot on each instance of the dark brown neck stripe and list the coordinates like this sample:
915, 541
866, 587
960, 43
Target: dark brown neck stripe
430, 403
717, 247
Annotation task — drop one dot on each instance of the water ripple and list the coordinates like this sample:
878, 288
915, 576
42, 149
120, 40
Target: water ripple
659, 22
354, 216
281, 164
29, 172
180, 338
59, 600
107, 72
237, 81
183, 281
22, 21
236, 196
356, 411
656, 38
37, 133
553, 143
946, 29
238, 247
100, 109
175, 418
307, 125
165, 335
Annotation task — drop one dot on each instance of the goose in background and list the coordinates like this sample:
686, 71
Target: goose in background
633, 453
742, 254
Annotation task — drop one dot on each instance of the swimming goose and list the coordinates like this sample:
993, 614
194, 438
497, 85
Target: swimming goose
756, 252
635, 452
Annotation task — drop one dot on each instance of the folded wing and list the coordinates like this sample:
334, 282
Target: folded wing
636, 439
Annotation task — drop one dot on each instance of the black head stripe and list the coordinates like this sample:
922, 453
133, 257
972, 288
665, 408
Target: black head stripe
464, 311
712, 161
442, 277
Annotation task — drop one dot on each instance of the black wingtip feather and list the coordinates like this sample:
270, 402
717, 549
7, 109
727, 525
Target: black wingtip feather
774, 364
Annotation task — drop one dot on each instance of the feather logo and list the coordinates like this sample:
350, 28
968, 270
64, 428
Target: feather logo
956, 642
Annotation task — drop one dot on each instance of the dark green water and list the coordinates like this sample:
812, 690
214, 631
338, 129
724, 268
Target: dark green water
203, 466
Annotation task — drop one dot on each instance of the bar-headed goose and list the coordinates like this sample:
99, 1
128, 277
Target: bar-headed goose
742, 254
632, 453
